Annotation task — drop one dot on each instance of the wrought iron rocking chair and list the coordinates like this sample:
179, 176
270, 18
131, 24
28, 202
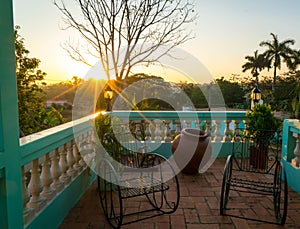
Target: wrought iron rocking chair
259, 156
130, 175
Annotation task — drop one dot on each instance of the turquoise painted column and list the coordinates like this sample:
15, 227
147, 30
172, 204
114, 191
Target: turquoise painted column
11, 190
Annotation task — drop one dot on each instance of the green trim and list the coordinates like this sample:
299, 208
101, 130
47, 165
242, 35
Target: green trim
287, 154
10, 125
294, 129
1, 124
3, 203
55, 212
2, 174
288, 141
2, 161
293, 176
169, 115
225, 149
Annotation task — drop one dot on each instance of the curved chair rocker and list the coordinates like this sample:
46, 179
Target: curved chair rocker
134, 184
258, 156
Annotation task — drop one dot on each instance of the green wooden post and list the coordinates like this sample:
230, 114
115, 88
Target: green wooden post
11, 158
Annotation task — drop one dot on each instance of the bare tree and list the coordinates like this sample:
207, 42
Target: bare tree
124, 33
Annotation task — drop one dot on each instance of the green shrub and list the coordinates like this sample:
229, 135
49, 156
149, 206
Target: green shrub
262, 119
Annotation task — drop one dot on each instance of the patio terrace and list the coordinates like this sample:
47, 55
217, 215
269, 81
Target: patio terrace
198, 207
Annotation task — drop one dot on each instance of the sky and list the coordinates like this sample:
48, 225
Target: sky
225, 32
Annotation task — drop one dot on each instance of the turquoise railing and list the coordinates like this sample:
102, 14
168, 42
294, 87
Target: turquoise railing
162, 126
54, 175
290, 156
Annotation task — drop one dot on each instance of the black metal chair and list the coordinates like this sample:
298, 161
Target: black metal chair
129, 174
257, 156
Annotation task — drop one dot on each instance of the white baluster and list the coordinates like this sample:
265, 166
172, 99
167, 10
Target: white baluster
208, 127
92, 135
89, 146
82, 161
178, 127
227, 131
218, 132
188, 123
197, 124
148, 131
296, 160
46, 179
71, 161
28, 213
65, 178
246, 127
167, 131
137, 130
127, 126
37, 202
88, 158
77, 157
237, 131
157, 131
56, 172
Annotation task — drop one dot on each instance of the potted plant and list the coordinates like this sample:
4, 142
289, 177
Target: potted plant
262, 126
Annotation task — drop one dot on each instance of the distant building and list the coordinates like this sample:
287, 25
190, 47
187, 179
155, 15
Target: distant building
49, 103
187, 108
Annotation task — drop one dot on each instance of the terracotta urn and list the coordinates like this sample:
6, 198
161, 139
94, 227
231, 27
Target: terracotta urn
191, 150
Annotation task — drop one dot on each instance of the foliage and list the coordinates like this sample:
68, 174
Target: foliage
284, 97
103, 125
233, 92
139, 97
106, 127
261, 119
276, 52
294, 61
289, 93
195, 93
122, 34
33, 116
105, 133
256, 63
295, 108
64, 90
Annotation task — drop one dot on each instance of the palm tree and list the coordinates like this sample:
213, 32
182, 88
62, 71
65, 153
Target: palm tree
256, 63
276, 51
294, 61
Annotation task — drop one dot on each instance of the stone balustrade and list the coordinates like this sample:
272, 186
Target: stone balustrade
164, 125
290, 155
291, 142
296, 159
51, 162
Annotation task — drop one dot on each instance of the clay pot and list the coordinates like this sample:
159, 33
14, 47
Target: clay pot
190, 148
258, 157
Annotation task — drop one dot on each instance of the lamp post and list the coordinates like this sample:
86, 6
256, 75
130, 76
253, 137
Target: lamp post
255, 96
108, 94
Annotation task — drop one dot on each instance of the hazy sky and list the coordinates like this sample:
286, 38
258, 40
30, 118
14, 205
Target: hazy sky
226, 31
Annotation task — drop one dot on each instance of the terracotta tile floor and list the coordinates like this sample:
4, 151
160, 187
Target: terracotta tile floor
198, 208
